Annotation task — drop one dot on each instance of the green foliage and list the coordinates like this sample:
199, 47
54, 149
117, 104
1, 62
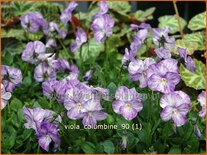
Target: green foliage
195, 80
142, 16
170, 21
121, 7
198, 22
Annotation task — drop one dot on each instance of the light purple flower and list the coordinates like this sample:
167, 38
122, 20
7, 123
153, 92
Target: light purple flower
102, 27
197, 131
5, 96
11, 77
81, 37
34, 22
124, 142
163, 76
71, 71
67, 13
103, 8
48, 132
43, 72
190, 64
53, 27
163, 53
202, 101
141, 26
138, 70
175, 106
88, 75
51, 43
33, 52
94, 112
48, 88
127, 103
37, 115
128, 57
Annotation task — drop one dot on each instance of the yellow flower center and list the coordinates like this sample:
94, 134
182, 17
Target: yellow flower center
174, 111
163, 81
78, 105
128, 106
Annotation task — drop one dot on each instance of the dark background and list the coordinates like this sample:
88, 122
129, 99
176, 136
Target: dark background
186, 9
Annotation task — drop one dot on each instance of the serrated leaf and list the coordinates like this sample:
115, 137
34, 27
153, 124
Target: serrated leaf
198, 22
123, 7
170, 21
89, 50
142, 16
199, 38
189, 45
195, 80
14, 33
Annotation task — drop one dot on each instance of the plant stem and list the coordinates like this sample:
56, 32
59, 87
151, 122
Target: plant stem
178, 18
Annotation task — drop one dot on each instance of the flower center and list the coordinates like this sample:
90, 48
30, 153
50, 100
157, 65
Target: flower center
174, 111
163, 81
128, 106
78, 105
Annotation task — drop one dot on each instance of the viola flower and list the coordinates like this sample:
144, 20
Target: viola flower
175, 106
197, 131
127, 103
11, 77
124, 142
36, 116
33, 52
138, 70
53, 27
43, 73
102, 93
128, 57
81, 37
202, 101
76, 97
94, 112
102, 27
190, 64
5, 96
103, 8
88, 75
46, 133
63, 65
164, 76
48, 88
34, 21
51, 43
67, 13
163, 53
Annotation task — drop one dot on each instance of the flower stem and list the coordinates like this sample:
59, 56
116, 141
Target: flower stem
178, 18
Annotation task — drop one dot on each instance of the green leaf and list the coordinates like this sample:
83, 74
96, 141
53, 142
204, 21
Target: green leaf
174, 150
89, 50
122, 7
15, 104
199, 38
108, 146
195, 80
35, 36
189, 45
144, 15
170, 21
88, 147
198, 22
14, 33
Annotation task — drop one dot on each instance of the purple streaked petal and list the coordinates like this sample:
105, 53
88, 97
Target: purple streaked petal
44, 142
178, 119
190, 64
128, 113
166, 113
116, 106
99, 115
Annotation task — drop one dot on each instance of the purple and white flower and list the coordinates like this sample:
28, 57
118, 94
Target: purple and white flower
164, 76
5, 96
190, 64
138, 70
48, 132
175, 106
81, 37
202, 101
34, 22
53, 27
128, 57
11, 77
67, 13
48, 88
43, 72
127, 103
34, 52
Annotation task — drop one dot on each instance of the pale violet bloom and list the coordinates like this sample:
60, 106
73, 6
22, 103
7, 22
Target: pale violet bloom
202, 101
11, 77
5, 96
175, 106
81, 37
127, 103
66, 15
163, 76
33, 52
138, 70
